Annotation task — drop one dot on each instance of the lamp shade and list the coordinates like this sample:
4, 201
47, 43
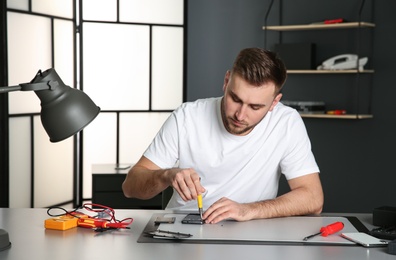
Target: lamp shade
64, 110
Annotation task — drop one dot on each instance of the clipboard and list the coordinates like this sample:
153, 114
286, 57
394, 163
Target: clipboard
290, 230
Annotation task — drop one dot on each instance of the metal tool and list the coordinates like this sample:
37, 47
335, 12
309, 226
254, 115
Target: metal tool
327, 230
168, 234
199, 199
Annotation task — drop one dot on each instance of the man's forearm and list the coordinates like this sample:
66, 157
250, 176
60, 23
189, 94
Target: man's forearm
305, 197
294, 203
143, 183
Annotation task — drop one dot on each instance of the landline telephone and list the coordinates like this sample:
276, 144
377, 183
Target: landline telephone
343, 62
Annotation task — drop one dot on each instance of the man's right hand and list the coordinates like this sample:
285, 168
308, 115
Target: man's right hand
145, 180
186, 182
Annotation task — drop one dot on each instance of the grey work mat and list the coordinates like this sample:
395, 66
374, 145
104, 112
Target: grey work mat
290, 230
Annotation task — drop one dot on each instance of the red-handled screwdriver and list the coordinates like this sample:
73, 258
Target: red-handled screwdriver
327, 230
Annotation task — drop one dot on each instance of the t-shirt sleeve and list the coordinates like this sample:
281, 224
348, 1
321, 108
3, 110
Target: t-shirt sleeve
163, 150
298, 159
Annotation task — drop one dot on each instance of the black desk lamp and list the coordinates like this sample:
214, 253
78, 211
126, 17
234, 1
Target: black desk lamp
64, 112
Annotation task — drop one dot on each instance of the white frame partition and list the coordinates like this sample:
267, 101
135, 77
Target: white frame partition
127, 55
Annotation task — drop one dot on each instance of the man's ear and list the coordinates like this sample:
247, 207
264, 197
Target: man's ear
226, 80
275, 101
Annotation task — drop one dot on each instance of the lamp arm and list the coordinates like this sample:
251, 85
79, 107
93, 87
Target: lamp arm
52, 84
10, 89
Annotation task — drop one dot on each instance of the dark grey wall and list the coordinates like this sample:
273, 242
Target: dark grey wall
217, 31
355, 156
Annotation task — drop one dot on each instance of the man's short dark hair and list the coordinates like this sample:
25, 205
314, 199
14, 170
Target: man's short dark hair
258, 66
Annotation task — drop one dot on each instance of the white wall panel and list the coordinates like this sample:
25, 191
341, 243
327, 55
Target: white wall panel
18, 4
62, 8
167, 63
64, 50
137, 130
29, 49
20, 161
53, 168
116, 65
100, 10
99, 142
152, 11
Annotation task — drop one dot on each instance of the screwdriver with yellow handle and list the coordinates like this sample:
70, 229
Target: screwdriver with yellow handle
199, 199
327, 230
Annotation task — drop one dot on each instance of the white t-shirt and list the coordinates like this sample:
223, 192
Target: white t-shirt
241, 168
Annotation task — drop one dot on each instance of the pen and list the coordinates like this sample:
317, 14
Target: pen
199, 199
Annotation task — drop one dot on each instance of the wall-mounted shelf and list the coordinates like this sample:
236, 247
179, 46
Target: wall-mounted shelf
328, 71
357, 101
300, 27
351, 116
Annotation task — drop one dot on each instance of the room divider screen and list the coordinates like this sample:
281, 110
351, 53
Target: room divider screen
127, 55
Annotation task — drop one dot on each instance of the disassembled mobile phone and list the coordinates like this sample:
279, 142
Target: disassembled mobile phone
167, 220
364, 239
193, 218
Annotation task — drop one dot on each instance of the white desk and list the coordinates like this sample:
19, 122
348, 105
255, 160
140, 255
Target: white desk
30, 240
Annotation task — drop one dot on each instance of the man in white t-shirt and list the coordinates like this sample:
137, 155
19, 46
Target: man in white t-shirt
233, 149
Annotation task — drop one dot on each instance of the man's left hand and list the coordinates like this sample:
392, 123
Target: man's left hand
225, 208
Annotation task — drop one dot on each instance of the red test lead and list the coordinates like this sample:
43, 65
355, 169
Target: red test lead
327, 230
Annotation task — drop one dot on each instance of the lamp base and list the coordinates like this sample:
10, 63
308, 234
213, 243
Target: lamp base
4, 240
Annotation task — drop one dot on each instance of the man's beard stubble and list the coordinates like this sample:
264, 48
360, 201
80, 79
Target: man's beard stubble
228, 124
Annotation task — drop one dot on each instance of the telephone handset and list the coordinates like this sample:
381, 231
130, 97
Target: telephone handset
343, 62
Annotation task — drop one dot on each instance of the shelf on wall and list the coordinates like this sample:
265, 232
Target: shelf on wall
348, 116
328, 71
356, 25
318, 26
